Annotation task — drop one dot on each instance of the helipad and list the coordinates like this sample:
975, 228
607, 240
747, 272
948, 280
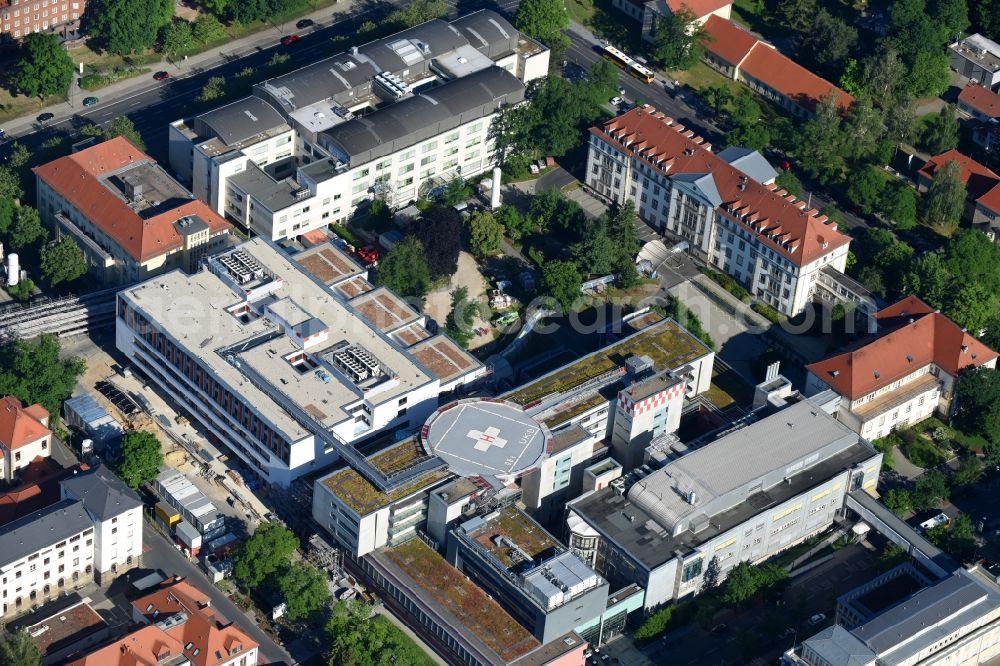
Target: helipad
492, 439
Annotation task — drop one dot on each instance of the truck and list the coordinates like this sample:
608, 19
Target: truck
368, 255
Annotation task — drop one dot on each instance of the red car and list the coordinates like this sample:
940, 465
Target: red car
289, 40
160, 76
368, 255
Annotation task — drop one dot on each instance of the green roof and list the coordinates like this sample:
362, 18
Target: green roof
516, 526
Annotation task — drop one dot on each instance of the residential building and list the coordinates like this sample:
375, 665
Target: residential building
744, 497
785, 253
146, 645
955, 620
982, 186
758, 65
903, 375
283, 369
37, 487
44, 555
293, 157
543, 586
649, 13
116, 513
979, 103
63, 627
977, 58
20, 18
24, 436
130, 218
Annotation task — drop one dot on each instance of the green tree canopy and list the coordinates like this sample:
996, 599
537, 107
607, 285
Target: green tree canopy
745, 581
899, 204
929, 74
622, 229
863, 129
595, 253
62, 261
928, 278
27, 229
213, 89
177, 37
829, 41
19, 649
485, 234
439, 231
207, 29
463, 313
973, 257
931, 489
304, 590
898, 501
678, 40
358, 638
969, 471
32, 371
418, 11
561, 280
128, 26
139, 458
866, 188
267, 550
972, 306
818, 142
945, 200
124, 127
977, 393
43, 66
546, 21
941, 133
515, 224
404, 269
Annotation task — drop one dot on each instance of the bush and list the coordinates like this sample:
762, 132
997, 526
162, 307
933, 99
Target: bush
728, 283
689, 320
346, 234
665, 619
768, 313
971, 443
922, 453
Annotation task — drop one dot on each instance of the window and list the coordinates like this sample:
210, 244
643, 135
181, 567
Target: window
407, 155
427, 160
451, 138
406, 168
361, 174
428, 147
691, 570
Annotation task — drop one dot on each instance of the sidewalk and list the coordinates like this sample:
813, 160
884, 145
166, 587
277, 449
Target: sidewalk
196, 64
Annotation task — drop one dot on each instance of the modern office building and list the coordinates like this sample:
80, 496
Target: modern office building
24, 436
116, 513
780, 249
902, 376
130, 218
284, 370
544, 586
955, 620
396, 118
741, 498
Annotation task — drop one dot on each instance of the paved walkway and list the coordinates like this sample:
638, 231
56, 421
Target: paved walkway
195, 64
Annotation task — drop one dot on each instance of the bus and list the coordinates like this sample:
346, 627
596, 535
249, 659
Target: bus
630, 65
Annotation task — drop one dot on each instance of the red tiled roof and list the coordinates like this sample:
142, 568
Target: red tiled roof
728, 41
791, 79
38, 487
76, 178
20, 425
981, 99
699, 8
775, 218
991, 199
211, 635
918, 338
978, 179
147, 646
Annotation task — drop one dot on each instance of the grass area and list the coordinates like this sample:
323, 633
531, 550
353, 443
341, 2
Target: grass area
702, 76
923, 453
581, 11
518, 528
415, 656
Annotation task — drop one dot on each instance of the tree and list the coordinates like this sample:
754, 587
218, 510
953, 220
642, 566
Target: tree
8, 212
866, 188
139, 458
32, 371
931, 489
208, 29
941, 133
62, 261
510, 134
304, 589
463, 314
883, 77
817, 143
18, 649
929, 74
595, 253
128, 26
796, 15
951, 15
561, 280
928, 278
977, 393
404, 269
216, 7
603, 81
27, 229
969, 471
850, 79
454, 192
710, 579
213, 89
898, 501
439, 230
899, 204
863, 129
678, 40
746, 581
10, 184
515, 224
267, 550
122, 126
379, 214
418, 11
177, 37
973, 256
945, 200
625, 236
829, 41
961, 543
972, 307
789, 182
545, 20
748, 131
485, 234
43, 66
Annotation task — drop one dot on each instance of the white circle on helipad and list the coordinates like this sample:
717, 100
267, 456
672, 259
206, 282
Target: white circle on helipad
485, 438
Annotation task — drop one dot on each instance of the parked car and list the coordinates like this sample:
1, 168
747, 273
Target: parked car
304, 23
615, 101
160, 76
3, 133
90, 101
816, 619
289, 40
45, 116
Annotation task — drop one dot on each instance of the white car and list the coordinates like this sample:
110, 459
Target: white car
816, 619
615, 101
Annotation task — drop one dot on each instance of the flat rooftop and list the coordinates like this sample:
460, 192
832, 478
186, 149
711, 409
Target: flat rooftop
436, 583
384, 309
146, 188
648, 543
510, 525
444, 358
209, 315
363, 498
63, 628
274, 195
329, 264
666, 342
491, 439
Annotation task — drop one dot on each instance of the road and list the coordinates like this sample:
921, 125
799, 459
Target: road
161, 554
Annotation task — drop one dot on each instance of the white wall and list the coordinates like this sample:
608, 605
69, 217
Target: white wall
118, 539
40, 569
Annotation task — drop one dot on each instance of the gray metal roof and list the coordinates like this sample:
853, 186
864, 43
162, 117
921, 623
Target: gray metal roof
274, 195
239, 120
491, 34
721, 473
43, 528
750, 162
840, 647
320, 80
423, 116
103, 494
86, 409
426, 41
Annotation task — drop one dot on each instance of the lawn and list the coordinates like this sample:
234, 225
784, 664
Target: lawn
702, 76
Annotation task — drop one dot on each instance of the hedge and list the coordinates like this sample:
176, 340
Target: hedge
346, 234
666, 618
767, 312
728, 283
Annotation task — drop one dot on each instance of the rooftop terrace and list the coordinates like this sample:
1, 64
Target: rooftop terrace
456, 594
514, 525
667, 343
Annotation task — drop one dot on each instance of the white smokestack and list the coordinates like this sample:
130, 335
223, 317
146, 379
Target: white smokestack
495, 192
13, 270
